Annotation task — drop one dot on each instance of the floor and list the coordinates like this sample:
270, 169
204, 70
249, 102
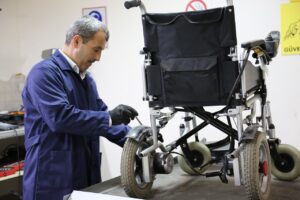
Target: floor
177, 186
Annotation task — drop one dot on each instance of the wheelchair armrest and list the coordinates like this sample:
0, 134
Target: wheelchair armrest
254, 43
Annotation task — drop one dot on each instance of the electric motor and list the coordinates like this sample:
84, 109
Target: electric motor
163, 163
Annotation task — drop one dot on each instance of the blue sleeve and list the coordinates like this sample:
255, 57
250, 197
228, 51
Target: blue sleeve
116, 134
48, 93
102, 106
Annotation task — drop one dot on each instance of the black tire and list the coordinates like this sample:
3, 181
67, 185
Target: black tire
288, 168
132, 170
195, 147
257, 168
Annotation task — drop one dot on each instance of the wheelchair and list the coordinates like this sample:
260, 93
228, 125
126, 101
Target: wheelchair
190, 64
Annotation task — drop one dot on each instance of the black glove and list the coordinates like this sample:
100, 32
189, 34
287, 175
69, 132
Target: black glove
122, 114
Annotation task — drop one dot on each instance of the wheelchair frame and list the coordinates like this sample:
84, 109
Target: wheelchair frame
254, 134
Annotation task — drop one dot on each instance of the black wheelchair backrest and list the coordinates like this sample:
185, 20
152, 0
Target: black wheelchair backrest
189, 52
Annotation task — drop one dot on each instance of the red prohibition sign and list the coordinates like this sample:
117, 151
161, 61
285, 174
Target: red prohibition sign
195, 5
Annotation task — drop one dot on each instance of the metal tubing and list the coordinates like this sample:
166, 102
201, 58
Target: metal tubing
145, 152
237, 172
187, 122
253, 99
263, 67
229, 2
236, 153
144, 66
194, 122
207, 120
239, 117
217, 123
271, 132
162, 147
147, 175
143, 8
244, 60
189, 134
263, 118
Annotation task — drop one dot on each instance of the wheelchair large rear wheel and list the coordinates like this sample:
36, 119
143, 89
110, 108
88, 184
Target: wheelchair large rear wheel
257, 168
288, 168
132, 171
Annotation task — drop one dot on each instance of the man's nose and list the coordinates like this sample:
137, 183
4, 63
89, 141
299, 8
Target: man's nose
98, 56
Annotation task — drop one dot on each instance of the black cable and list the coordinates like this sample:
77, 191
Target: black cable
177, 153
233, 89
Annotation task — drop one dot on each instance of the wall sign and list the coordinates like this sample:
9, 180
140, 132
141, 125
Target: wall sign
97, 12
290, 28
196, 5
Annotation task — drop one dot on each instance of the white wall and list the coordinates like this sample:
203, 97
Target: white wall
9, 41
29, 26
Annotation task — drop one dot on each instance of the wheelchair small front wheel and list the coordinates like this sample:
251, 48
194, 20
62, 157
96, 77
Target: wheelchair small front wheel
132, 170
201, 150
257, 168
288, 167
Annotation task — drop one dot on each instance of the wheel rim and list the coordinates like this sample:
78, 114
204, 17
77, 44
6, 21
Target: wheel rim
263, 168
199, 158
138, 173
138, 167
201, 153
285, 164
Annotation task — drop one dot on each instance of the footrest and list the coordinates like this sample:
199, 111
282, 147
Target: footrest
221, 175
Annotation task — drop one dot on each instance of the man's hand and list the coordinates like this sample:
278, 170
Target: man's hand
122, 114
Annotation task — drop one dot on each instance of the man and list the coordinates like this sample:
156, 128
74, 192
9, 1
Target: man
64, 117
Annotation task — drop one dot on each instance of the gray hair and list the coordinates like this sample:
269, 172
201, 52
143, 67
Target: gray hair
86, 27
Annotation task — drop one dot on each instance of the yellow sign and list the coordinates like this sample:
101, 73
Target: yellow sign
290, 28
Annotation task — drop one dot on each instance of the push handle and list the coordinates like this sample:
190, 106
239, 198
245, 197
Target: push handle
131, 4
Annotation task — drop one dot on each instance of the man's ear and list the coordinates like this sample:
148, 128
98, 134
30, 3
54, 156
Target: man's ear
76, 40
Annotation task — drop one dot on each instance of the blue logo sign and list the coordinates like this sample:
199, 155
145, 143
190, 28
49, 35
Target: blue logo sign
96, 14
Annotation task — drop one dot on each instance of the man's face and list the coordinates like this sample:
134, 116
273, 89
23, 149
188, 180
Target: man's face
89, 52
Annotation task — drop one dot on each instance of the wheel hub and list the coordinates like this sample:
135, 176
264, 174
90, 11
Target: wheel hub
265, 168
285, 164
198, 159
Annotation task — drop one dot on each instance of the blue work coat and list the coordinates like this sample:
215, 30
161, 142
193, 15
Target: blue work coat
64, 118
